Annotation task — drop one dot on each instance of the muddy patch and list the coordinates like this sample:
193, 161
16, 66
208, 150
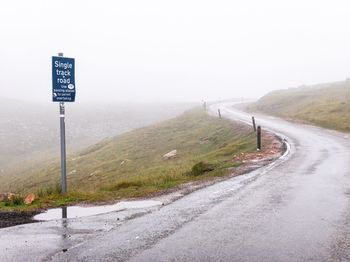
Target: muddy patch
11, 218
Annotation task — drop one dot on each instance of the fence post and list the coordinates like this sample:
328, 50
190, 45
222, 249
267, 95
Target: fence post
258, 138
254, 126
219, 113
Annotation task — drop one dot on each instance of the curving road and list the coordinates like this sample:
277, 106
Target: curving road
297, 209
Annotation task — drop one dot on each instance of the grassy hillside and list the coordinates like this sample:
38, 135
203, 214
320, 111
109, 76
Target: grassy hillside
326, 105
131, 165
29, 131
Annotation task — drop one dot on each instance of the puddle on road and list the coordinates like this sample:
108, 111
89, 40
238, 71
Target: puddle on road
78, 211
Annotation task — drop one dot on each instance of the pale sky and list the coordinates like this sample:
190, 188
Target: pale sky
181, 50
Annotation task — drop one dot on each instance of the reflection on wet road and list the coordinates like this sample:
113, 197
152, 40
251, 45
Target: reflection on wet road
80, 211
295, 210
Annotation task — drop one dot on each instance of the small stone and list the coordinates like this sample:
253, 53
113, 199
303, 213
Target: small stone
3, 197
170, 155
10, 196
29, 199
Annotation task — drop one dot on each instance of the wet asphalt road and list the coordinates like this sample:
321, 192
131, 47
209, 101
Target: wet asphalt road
296, 209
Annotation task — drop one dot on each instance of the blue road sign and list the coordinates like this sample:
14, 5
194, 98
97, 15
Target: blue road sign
63, 82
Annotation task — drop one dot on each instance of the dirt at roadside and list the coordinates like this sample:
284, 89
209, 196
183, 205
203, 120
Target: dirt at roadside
272, 148
10, 218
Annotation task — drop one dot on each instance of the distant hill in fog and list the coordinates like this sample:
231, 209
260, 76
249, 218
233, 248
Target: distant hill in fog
326, 105
30, 131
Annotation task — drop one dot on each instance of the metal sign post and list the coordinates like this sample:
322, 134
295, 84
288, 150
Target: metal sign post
63, 90
63, 149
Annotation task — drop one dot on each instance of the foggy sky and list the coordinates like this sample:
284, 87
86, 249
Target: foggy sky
182, 50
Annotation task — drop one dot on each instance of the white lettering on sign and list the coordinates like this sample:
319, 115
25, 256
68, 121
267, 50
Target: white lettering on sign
63, 72
63, 65
63, 80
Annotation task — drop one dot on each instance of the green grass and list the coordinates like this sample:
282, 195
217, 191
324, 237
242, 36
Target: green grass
131, 165
15, 201
326, 105
201, 168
